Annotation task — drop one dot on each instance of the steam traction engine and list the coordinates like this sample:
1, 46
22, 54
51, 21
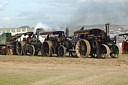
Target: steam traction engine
7, 44
32, 44
96, 43
29, 45
55, 43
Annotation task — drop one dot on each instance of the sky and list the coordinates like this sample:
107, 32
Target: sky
16, 13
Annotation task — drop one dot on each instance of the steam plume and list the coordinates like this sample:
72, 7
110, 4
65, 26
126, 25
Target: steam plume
42, 26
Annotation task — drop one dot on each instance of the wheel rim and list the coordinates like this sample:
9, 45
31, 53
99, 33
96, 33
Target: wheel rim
24, 49
103, 51
32, 50
18, 48
115, 51
46, 48
125, 47
61, 51
83, 48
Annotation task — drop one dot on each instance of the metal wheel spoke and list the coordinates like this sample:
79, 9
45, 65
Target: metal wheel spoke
61, 51
83, 48
103, 51
46, 48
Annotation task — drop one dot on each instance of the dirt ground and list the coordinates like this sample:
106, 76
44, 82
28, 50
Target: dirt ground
27, 70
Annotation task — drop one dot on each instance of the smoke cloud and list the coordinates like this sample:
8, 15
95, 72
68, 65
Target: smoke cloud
100, 13
44, 27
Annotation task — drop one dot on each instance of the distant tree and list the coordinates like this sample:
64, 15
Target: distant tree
24, 27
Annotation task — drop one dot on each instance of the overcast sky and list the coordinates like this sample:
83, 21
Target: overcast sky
16, 13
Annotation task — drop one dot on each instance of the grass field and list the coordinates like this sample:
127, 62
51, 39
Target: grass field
37, 70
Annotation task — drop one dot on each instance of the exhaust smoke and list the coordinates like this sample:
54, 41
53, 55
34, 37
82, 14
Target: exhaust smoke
42, 27
97, 12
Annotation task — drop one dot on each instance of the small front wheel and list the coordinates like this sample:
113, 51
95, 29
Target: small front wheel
103, 51
115, 51
61, 51
32, 50
18, 48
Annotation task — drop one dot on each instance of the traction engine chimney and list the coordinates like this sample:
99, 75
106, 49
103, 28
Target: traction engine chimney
67, 32
107, 29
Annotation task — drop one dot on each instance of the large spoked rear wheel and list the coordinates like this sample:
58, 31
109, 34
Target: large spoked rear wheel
115, 51
61, 51
32, 50
83, 48
103, 51
46, 48
18, 48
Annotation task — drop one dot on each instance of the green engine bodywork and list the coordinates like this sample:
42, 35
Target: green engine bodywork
4, 38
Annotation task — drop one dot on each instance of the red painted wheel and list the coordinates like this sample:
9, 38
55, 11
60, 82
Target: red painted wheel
125, 47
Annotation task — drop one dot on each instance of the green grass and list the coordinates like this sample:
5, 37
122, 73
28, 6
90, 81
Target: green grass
23, 77
12, 79
124, 55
